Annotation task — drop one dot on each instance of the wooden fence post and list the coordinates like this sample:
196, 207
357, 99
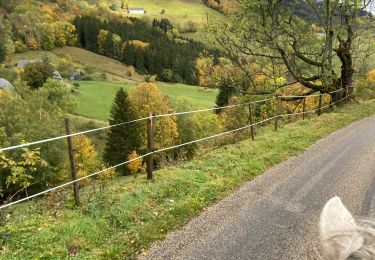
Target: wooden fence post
346, 94
320, 104
277, 112
150, 146
304, 108
73, 167
251, 122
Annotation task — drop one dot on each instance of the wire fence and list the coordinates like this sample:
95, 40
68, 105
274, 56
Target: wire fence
146, 118
150, 153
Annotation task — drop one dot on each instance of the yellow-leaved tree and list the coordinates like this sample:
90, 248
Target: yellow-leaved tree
86, 158
146, 98
136, 165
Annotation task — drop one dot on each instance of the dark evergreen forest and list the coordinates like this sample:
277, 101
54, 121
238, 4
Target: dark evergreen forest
171, 59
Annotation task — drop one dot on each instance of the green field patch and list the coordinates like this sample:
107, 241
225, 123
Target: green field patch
94, 98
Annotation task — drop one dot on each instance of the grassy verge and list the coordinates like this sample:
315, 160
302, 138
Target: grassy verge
125, 219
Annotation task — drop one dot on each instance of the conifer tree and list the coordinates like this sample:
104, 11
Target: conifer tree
225, 93
123, 139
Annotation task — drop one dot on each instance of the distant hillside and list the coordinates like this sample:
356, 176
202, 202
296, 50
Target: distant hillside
151, 46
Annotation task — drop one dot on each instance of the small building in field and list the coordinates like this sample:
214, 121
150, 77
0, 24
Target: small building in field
57, 75
136, 11
76, 75
22, 63
4, 84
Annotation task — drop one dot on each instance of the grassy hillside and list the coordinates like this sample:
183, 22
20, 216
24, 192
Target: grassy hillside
125, 219
177, 11
97, 62
95, 97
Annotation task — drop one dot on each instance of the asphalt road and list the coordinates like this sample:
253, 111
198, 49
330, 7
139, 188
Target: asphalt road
275, 216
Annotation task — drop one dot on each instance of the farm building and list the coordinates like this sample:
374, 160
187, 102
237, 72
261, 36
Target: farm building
56, 75
76, 75
4, 84
22, 63
136, 11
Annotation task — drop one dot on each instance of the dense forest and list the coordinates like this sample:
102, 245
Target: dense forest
136, 43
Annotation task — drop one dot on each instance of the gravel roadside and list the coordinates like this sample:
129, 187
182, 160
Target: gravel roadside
275, 215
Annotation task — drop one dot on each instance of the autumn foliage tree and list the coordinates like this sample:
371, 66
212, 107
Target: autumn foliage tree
86, 157
135, 164
146, 98
20, 172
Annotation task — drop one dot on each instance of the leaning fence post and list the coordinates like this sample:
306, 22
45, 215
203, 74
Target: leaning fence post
346, 93
278, 99
251, 122
150, 146
320, 104
73, 167
304, 108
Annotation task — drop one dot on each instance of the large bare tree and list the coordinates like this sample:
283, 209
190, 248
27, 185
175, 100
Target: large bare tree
321, 52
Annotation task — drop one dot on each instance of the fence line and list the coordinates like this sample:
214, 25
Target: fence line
69, 135
213, 109
146, 118
161, 150
315, 95
124, 123
316, 109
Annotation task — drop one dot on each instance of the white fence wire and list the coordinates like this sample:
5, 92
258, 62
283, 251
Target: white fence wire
166, 149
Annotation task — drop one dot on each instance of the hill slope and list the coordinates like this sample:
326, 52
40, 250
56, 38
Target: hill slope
124, 220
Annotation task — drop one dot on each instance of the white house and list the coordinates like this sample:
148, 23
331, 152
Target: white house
136, 11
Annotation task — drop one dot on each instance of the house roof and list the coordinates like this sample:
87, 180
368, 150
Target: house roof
75, 73
22, 63
4, 84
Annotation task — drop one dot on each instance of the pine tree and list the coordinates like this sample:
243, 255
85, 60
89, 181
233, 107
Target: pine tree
123, 139
225, 92
139, 60
108, 45
129, 54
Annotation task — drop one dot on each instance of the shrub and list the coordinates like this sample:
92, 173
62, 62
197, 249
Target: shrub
20, 46
150, 78
130, 71
37, 73
136, 165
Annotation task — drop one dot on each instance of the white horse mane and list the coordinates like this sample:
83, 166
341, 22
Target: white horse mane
342, 237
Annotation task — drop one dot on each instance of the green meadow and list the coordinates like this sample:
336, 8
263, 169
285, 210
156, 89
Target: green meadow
94, 98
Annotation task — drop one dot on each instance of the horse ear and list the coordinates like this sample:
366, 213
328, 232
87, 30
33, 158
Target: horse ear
338, 231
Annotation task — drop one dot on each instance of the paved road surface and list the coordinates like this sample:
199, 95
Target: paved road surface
275, 216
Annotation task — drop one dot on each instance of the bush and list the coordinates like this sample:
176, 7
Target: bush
167, 75
37, 73
150, 78
103, 76
20, 46
76, 84
130, 71
86, 77
8, 74
89, 69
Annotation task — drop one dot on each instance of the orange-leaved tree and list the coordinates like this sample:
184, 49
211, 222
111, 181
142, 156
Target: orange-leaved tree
146, 98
